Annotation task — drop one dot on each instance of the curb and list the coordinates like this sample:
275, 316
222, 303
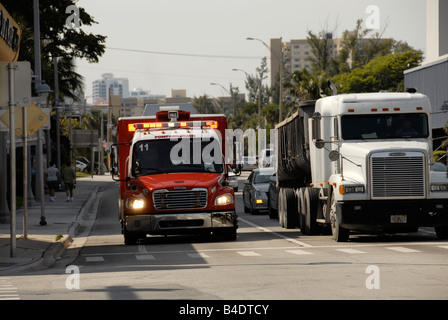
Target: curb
53, 252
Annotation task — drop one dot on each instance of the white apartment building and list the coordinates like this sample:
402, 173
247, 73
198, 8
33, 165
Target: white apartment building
117, 86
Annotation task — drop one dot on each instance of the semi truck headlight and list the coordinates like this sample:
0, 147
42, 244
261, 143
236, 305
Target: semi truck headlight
351, 189
133, 203
224, 200
442, 187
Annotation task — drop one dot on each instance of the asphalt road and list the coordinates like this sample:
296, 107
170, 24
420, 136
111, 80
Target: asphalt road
266, 262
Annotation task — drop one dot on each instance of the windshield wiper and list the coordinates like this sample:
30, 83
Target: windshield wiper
154, 169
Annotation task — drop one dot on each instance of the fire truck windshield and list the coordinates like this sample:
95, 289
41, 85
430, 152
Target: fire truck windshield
384, 126
182, 155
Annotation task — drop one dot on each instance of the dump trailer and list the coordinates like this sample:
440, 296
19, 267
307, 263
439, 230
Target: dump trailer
172, 176
360, 162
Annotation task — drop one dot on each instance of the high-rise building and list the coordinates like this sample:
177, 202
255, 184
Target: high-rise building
296, 54
117, 86
436, 26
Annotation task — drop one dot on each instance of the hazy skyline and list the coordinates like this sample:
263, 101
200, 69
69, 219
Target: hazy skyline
161, 45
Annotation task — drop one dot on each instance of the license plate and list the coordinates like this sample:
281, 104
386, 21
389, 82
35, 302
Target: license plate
398, 218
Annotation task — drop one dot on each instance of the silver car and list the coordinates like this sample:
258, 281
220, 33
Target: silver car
249, 163
255, 191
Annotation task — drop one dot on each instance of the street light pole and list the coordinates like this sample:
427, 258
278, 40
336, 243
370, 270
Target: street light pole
280, 58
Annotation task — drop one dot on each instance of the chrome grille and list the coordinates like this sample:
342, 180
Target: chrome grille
398, 176
183, 199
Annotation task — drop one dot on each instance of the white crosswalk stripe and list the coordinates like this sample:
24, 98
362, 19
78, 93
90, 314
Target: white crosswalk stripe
351, 251
258, 252
198, 255
7, 290
248, 253
298, 252
402, 249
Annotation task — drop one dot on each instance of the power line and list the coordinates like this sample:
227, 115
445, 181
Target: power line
196, 55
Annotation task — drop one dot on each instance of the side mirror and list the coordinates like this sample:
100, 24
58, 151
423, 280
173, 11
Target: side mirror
334, 155
319, 143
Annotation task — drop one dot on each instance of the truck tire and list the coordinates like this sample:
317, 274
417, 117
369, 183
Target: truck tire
280, 206
287, 209
131, 238
300, 206
310, 205
273, 213
339, 234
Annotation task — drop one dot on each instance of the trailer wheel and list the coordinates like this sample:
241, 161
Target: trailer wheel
281, 207
300, 209
339, 234
273, 213
310, 204
287, 208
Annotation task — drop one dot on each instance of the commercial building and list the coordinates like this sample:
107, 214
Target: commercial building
431, 78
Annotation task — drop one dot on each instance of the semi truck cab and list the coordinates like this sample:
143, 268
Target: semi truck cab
372, 159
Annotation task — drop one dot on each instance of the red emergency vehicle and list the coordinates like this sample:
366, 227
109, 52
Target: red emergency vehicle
173, 176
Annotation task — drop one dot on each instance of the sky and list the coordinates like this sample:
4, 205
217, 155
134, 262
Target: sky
160, 45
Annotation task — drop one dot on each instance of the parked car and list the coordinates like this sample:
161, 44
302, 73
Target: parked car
255, 191
80, 166
249, 163
272, 198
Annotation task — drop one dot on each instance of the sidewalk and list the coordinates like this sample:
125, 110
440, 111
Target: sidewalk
65, 220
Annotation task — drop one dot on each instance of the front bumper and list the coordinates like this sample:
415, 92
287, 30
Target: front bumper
392, 214
180, 223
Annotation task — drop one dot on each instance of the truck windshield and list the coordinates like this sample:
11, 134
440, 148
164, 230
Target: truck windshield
384, 126
169, 156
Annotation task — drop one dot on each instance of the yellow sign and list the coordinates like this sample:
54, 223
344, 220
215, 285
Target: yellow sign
10, 35
35, 118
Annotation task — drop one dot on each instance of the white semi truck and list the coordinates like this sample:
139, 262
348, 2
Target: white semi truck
360, 162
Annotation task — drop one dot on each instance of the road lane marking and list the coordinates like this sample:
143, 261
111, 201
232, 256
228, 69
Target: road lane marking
402, 249
299, 243
94, 259
351, 251
144, 257
298, 252
197, 255
7, 290
248, 253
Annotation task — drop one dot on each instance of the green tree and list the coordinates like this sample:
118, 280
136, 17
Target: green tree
321, 46
382, 73
253, 84
57, 40
204, 104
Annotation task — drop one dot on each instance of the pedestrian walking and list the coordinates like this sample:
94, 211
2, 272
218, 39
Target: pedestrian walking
52, 180
69, 178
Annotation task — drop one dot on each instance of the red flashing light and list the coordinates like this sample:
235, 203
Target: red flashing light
132, 127
212, 124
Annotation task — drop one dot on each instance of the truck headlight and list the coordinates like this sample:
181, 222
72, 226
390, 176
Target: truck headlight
351, 189
224, 200
441, 187
132, 203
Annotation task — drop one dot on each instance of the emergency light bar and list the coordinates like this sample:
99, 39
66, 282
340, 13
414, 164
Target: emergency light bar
173, 125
